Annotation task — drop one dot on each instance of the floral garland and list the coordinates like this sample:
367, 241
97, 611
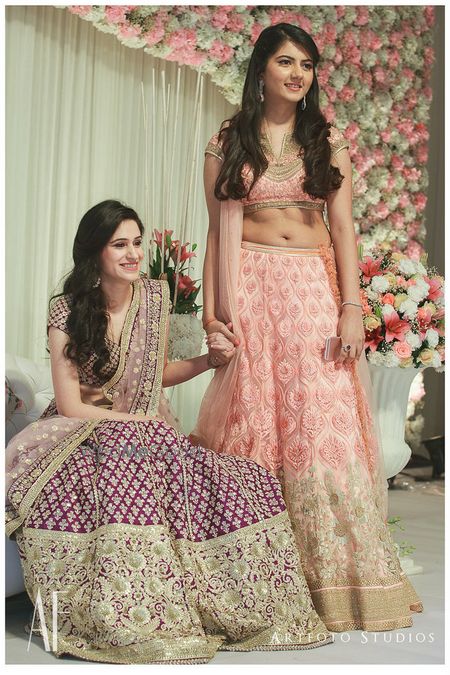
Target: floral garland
374, 77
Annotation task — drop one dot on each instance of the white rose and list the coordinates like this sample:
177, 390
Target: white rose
387, 309
413, 339
432, 337
407, 266
408, 308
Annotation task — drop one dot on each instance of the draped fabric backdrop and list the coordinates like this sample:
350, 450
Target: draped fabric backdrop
75, 136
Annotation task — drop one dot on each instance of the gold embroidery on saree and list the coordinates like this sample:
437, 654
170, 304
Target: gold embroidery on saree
131, 589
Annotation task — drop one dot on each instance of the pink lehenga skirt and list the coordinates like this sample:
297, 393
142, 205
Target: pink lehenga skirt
308, 422
159, 551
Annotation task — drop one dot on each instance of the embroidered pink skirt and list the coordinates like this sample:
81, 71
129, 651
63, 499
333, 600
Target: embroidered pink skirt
307, 421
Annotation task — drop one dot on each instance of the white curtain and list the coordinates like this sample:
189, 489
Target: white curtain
75, 136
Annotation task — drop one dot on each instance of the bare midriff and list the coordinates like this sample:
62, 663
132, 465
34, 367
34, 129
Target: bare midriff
291, 227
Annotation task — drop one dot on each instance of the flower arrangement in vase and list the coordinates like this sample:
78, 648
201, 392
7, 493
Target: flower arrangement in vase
403, 304
170, 261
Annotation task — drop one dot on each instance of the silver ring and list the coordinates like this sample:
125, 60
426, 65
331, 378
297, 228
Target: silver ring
347, 348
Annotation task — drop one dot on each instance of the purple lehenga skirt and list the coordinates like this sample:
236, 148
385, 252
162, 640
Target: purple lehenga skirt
163, 552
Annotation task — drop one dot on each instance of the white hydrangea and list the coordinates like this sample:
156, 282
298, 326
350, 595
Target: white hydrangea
379, 284
185, 337
407, 266
413, 339
432, 337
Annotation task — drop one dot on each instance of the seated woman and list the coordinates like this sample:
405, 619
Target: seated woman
159, 551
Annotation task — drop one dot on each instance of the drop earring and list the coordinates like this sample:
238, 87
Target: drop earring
261, 90
303, 103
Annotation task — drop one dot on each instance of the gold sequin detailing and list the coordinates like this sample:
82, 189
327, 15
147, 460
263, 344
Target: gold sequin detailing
133, 594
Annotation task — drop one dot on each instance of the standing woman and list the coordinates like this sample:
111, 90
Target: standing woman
284, 283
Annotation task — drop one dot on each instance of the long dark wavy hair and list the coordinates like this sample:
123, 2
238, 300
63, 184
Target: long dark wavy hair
88, 318
239, 135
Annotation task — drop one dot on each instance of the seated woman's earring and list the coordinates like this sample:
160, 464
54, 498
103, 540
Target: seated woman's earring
303, 103
261, 90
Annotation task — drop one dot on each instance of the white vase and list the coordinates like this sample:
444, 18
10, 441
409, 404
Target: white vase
185, 337
391, 388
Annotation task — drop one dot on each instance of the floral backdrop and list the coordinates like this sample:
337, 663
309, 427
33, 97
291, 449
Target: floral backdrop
375, 87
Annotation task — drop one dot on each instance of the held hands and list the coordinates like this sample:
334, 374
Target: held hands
221, 343
351, 330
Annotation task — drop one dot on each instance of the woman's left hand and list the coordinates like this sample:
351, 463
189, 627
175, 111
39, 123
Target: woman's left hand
351, 330
220, 349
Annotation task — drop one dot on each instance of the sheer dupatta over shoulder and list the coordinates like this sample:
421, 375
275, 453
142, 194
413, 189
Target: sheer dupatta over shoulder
217, 400
34, 454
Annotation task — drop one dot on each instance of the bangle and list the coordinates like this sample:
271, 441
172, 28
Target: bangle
354, 304
209, 321
210, 363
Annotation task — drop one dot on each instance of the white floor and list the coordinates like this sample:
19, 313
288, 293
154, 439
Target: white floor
422, 515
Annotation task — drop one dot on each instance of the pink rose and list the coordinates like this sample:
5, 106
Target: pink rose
352, 131
154, 35
129, 31
398, 221
219, 18
402, 349
388, 299
347, 94
413, 229
382, 210
362, 16
385, 135
420, 201
80, 10
256, 31
422, 153
404, 199
116, 13
397, 162
414, 250
220, 51
235, 23
304, 23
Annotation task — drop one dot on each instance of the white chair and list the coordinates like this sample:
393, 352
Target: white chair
32, 385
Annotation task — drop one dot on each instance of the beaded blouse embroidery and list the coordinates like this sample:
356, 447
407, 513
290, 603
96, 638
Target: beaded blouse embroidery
57, 317
281, 185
